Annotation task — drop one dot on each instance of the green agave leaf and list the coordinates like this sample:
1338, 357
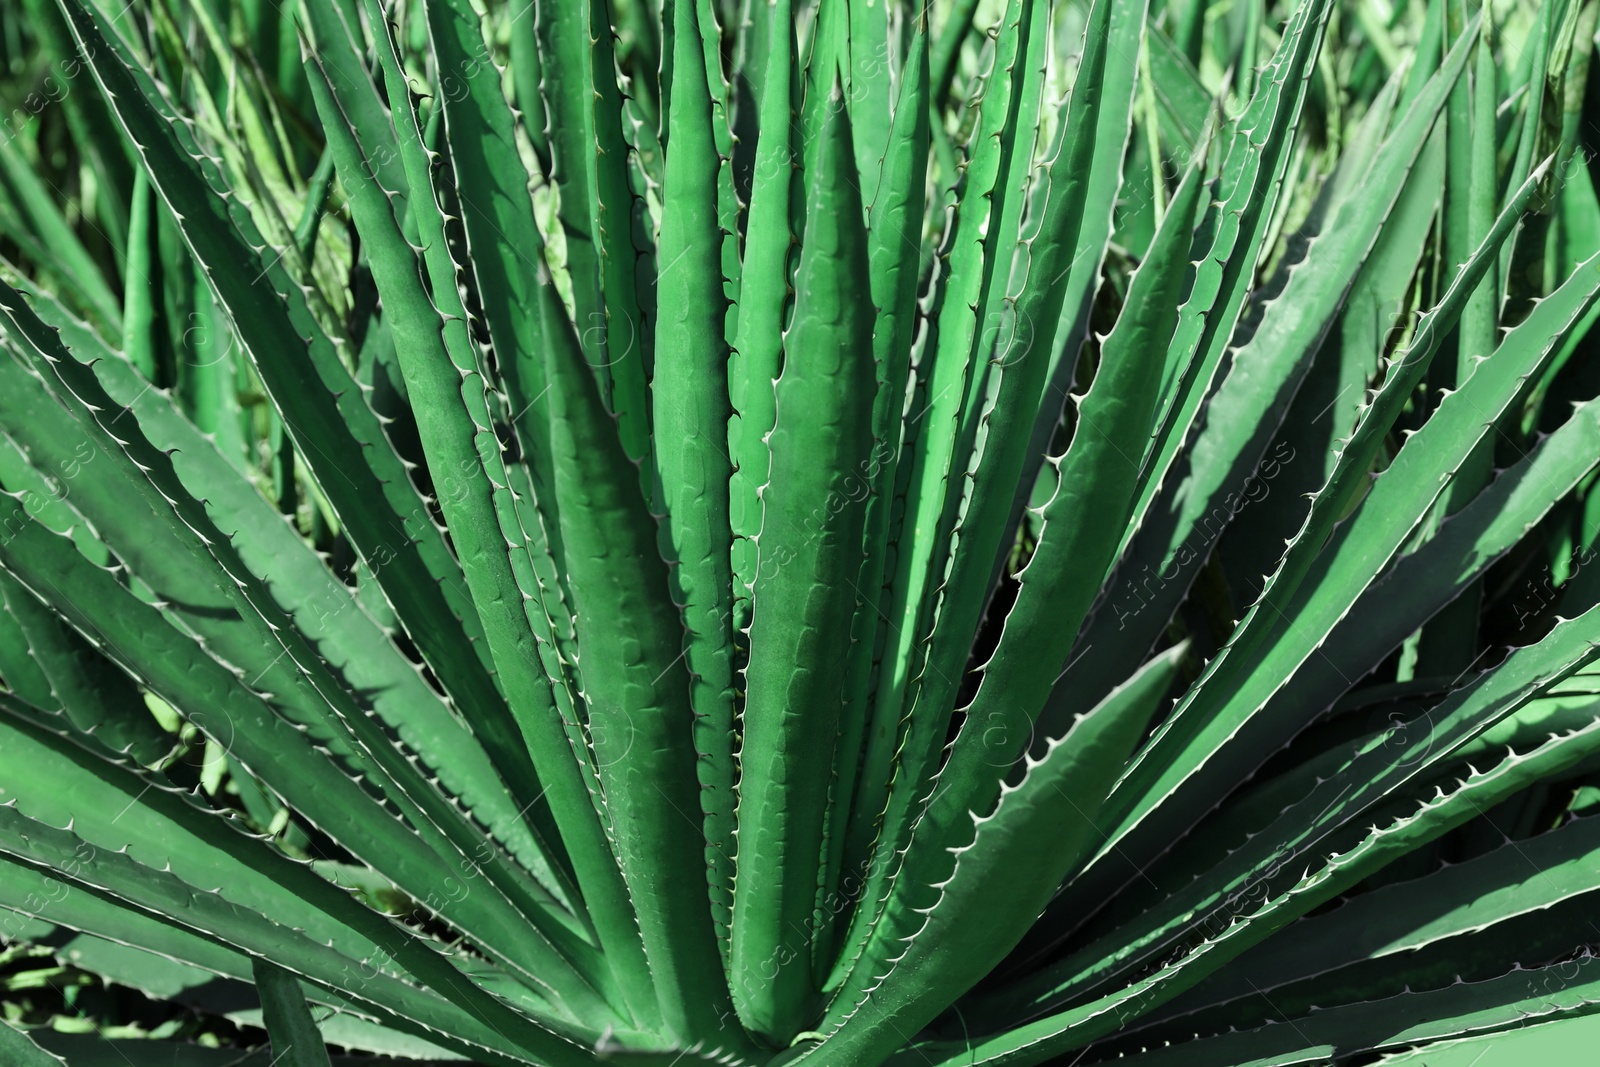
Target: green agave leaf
1176, 522
1036, 1042
1376, 624
21, 673
1221, 910
20, 1049
1325, 407
340, 45
826, 68
566, 91
1244, 199
1220, 687
690, 408
241, 119
1516, 1012
91, 124
31, 895
117, 874
1479, 317
952, 327
757, 353
459, 438
220, 704
526, 60
96, 1050
1561, 1037
1415, 478
1016, 380
337, 433
1183, 100
1471, 196
448, 435
138, 296
340, 627
869, 80
304, 698
947, 52
814, 506
55, 430
96, 697
343, 1028
1071, 557
729, 206
640, 719
930, 945
172, 832
1536, 53
578, 88
184, 556
750, 25
644, 618
295, 1039
1390, 923
894, 253
1103, 189
504, 246
969, 316
1524, 350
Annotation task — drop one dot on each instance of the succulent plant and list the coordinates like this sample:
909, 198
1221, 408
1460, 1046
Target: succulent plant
803, 533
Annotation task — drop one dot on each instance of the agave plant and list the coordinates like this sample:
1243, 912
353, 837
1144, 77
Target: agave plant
804, 533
